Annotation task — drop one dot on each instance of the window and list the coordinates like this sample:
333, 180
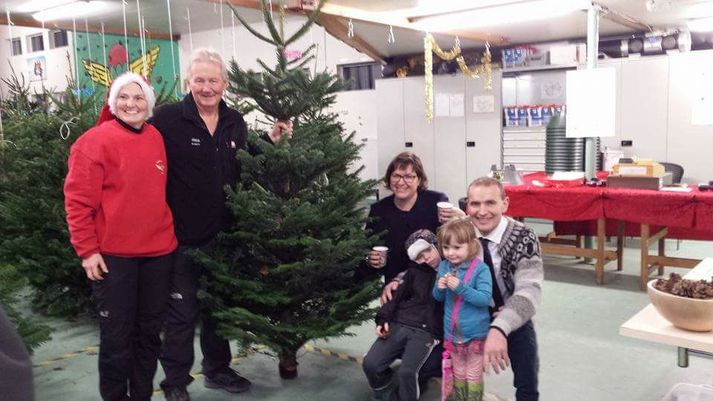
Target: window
360, 76
16, 46
36, 43
58, 39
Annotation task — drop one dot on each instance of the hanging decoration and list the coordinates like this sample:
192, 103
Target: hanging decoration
126, 34
391, 39
173, 56
222, 29
232, 22
76, 70
350, 30
428, 72
141, 37
104, 43
89, 49
190, 31
10, 24
430, 46
64, 130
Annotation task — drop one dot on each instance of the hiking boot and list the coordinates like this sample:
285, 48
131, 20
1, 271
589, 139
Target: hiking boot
176, 394
229, 381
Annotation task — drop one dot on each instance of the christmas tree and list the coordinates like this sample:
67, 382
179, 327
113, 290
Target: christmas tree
33, 231
284, 273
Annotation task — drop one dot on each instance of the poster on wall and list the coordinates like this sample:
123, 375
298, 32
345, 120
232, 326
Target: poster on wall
100, 61
483, 104
591, 103
37, 67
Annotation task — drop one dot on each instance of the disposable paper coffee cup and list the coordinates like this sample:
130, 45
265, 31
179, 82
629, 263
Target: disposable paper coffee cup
384, 252
444, 205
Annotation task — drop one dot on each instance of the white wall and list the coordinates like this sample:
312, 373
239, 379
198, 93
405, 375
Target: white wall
656, 97
57, 65
357, 109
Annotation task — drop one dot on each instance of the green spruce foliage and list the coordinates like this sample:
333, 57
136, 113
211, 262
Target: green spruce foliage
32, 332
33, 231
284, 273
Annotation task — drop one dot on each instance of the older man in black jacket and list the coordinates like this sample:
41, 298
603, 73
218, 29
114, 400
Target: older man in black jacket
202, 135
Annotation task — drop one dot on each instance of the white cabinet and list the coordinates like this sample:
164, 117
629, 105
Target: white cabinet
689, 144
443, 144
644, 105
389, 123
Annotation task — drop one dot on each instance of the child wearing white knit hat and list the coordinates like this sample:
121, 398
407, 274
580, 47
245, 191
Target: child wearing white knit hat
404, 324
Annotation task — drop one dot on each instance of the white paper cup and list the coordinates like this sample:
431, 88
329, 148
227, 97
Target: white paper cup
384, 252
444, 205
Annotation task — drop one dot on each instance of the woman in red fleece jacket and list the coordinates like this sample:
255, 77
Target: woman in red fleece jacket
122, 229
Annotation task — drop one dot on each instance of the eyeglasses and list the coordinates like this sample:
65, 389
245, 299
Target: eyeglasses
409, 178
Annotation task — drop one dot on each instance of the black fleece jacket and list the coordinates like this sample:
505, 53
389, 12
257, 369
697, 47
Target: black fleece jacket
200, 165
413, 304
395, 226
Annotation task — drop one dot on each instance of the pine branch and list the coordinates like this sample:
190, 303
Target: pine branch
248, 27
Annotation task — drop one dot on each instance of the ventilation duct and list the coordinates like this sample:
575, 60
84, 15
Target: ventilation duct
646, 45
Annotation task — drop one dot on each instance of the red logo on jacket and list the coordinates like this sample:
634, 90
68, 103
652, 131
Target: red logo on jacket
161, 166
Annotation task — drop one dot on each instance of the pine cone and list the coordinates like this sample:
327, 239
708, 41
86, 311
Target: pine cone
676, 285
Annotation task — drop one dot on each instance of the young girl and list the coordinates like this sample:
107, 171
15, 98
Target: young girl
466, 285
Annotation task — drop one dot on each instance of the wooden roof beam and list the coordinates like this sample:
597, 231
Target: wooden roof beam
337, 28
398, 19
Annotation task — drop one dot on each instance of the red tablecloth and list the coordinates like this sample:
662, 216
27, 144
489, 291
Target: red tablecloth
688, 215
570, 204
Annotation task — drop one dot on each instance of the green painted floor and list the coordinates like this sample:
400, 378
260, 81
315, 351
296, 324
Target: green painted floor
582, 356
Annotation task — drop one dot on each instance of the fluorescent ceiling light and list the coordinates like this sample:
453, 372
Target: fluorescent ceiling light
71, 10
701, 25
504, 14
38, 5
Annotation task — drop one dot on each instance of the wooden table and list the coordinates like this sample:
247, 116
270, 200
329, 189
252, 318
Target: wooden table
655, 214
649, 325
571, 204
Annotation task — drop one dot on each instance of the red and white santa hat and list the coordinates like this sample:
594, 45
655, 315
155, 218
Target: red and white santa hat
108, 112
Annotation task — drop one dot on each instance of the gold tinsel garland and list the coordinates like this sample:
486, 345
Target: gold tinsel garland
430, 46
428, 63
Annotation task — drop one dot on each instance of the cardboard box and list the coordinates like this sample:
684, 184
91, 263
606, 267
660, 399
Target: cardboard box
639, 182
639, 169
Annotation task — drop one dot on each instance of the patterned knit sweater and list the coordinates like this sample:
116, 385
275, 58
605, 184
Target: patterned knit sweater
522, 272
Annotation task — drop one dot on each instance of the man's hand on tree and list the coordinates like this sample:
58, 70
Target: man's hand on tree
280, 129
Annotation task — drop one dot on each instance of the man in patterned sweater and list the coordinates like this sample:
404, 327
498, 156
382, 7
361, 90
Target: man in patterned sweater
513, 253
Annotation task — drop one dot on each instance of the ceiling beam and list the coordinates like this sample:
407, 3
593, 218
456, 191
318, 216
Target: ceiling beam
337, 28
290, 5
623, 19
29, 22
398, 19
334, 25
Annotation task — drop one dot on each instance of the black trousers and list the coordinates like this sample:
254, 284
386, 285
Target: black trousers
182, 314
130, 303
522, 350
413, 346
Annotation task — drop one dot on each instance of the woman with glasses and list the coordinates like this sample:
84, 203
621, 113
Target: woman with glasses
411, 207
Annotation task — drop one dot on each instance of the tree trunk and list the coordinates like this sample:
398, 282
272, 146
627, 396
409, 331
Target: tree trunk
288, 364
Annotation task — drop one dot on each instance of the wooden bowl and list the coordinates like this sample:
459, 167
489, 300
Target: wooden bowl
685, 313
